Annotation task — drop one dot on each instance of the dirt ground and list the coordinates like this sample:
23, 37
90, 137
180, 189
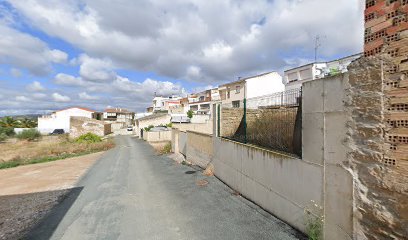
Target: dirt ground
29, 192
47, 146
15, 149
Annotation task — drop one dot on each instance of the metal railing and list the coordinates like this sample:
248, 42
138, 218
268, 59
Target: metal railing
272, 121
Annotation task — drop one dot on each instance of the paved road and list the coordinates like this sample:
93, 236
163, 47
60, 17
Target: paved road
131, 193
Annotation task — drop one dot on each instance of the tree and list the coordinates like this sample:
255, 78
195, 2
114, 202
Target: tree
28, 123
190, 114
8, 122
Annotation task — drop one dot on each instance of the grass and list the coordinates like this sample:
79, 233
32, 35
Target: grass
51, 152
166, 149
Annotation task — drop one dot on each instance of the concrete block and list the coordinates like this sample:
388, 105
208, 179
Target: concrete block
312, 96
338, 203
334, 94
312, 137
335, 151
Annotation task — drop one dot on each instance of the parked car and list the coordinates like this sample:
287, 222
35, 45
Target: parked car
130, 128
58, 131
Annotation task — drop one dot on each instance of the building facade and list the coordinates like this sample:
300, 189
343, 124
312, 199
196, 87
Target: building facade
62, 119
293, 78
119, 116
264, 84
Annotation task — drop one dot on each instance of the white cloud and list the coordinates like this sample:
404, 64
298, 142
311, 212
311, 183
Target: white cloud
86, 96
22, 99
96, 69
57, 56
35, 87
15, 72
68, 80
25, 51
39, 95
60, 98
254, 36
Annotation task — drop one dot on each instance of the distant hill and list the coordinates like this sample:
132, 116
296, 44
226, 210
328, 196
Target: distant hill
29, 116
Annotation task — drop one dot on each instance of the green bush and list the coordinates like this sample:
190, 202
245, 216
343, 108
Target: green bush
29, 134
169, 125
147, 129
3, 137
190, 114
88, 138
9, 131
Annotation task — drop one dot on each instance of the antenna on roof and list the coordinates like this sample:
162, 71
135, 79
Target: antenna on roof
318, 44
155, 94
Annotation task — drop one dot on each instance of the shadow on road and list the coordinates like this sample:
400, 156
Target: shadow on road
35, 215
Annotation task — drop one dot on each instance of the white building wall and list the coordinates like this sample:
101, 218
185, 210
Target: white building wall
60, 120
264, 85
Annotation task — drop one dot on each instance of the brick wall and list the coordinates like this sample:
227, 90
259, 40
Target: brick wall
386, 37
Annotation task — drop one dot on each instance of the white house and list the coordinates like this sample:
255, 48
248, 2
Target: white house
250, 87
61, 119
163, 103
293, 78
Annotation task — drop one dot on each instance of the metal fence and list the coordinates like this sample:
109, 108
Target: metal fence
272, 121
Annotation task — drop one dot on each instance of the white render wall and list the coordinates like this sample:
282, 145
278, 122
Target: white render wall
264, 85
60, 120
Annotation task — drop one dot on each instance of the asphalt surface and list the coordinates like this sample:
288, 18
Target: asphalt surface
131, 193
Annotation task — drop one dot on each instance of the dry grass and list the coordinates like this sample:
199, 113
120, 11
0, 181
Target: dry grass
273, 129
14, 152
161, 147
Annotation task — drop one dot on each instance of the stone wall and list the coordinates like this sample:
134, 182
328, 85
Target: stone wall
378, 160
83, 125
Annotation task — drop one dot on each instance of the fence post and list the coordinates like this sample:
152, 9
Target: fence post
219, 120
245, 122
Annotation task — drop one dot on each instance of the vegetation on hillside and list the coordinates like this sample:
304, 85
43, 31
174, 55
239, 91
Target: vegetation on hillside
10, 122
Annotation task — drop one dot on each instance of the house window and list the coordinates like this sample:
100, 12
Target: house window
235, 104
228, 93
238, 89
201, 98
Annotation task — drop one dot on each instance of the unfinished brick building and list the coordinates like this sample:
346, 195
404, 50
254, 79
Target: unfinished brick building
385, 210
386, 33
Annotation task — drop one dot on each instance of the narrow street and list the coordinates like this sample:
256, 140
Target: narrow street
131, 193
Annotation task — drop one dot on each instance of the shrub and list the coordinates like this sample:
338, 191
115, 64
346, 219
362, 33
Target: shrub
29, 134
147, 129
9, 131
314, 221
190, 114
3, 137
88, 138
166, 149
169, 125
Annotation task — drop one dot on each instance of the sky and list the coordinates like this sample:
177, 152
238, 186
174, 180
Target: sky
101, 53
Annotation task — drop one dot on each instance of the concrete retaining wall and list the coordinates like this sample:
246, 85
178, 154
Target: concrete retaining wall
197, 119
199, 148
282, 185
182, 143
206, 128
285, 185
20, 130
157, 136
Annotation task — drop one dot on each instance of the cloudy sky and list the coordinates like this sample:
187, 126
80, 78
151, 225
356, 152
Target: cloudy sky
99, 53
